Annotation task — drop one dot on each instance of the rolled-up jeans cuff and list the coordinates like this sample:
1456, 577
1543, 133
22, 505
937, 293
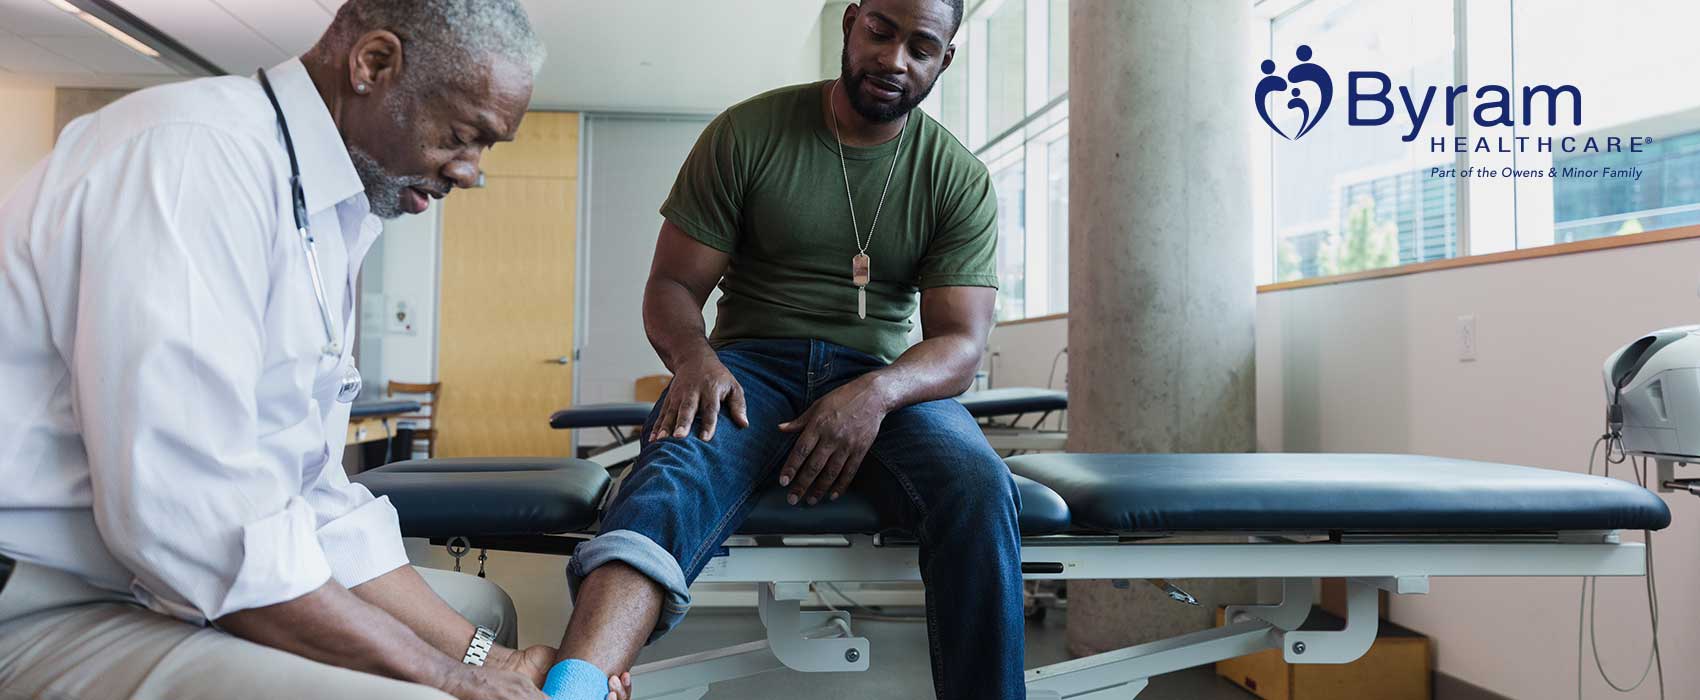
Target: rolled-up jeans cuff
639, 552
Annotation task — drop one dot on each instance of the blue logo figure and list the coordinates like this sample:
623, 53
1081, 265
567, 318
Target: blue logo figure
1305, 72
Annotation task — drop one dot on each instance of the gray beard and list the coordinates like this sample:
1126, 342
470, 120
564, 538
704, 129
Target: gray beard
383, 189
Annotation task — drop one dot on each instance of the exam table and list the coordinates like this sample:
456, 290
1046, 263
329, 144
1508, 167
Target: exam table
1382, 522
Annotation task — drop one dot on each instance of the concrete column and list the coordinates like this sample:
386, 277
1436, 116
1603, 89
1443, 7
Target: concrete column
1161, 287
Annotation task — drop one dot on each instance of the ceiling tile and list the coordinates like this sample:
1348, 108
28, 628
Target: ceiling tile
208, 30
104, 55
20, 56
37, 17
291, 25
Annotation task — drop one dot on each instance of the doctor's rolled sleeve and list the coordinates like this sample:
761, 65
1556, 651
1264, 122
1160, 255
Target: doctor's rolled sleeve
201, 501
361, 535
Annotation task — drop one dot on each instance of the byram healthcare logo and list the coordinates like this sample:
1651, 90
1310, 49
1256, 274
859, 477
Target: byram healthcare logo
1304, 72
1373, 100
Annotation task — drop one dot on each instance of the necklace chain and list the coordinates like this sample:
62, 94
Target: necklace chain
861, 247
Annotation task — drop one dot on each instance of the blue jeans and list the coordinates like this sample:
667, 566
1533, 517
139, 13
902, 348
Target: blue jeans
930, 472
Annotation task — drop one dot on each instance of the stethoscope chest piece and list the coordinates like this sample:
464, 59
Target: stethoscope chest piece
351, 384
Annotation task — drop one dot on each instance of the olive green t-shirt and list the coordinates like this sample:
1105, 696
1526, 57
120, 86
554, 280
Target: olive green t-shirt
764, 184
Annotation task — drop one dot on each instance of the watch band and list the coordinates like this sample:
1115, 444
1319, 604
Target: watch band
6, 566
479, 648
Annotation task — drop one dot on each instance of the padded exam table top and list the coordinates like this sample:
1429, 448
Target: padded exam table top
382, 407
1333, 492
1012, 401
1102, 492
980, 404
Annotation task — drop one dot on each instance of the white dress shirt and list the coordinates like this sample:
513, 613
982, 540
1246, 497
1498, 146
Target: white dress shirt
168, 425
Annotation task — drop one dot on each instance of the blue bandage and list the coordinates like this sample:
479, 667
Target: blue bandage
575, 679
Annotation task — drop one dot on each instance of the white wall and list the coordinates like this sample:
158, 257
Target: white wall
401, 269
631, 162
1373, 366
1023, 354
410, 275
27, 111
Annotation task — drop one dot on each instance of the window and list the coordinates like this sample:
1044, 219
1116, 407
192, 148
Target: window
1011, 185
1352, 199
1627, 92
1346, 198
1005, 97
1006, 75
1056, 179
952, 92
1058, 49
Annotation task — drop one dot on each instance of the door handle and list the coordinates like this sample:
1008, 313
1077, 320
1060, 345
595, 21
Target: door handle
562, 360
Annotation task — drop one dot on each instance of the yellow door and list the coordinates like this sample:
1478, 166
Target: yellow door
505, 327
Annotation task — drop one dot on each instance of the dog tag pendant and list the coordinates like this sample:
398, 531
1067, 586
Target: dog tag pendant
860, 275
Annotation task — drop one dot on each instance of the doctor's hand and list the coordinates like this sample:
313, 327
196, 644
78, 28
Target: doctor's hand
532, 662
833, 437
482, 683
699, 387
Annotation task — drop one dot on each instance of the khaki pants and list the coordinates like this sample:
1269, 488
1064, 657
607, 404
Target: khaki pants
114, 651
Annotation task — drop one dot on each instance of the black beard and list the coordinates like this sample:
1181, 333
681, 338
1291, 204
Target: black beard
876, 112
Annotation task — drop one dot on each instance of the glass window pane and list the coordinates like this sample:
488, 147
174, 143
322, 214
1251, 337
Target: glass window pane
1058, 62
1006, 67
953, 100
1350, 198
1056, 155
1628, 92
1011, 186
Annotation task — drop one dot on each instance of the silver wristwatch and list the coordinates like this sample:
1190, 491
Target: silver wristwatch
479, 648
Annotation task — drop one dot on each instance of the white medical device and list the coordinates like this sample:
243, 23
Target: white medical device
1653, 399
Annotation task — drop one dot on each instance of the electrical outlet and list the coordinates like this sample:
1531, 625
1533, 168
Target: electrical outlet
400, 318
1466, 338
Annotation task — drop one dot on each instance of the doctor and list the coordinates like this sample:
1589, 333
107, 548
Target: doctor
176, 285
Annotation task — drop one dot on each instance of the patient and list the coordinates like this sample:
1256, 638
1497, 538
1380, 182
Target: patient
798, 202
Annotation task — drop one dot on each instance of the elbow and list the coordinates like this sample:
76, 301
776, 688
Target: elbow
975, 356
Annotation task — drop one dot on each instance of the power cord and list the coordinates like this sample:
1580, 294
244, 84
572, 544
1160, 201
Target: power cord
1586, 605
1051, 382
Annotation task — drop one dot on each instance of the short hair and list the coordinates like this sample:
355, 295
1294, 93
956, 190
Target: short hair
441, 36
955, 14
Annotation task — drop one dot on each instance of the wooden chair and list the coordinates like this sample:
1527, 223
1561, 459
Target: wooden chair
648, 389
431, 408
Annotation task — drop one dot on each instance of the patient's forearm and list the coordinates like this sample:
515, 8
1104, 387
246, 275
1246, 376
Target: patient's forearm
672, 318
936, 368
334, 626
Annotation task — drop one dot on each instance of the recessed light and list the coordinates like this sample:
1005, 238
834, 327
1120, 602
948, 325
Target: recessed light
114, 32
119, 34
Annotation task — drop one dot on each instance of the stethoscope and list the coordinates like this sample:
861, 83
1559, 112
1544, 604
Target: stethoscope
351, 382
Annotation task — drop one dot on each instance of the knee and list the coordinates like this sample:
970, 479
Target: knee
479, 600
983, 489
492, 607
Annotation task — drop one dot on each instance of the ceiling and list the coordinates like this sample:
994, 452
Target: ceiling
616, 55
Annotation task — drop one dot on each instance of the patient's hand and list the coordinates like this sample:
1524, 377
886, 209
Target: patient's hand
834, 435
699, 387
